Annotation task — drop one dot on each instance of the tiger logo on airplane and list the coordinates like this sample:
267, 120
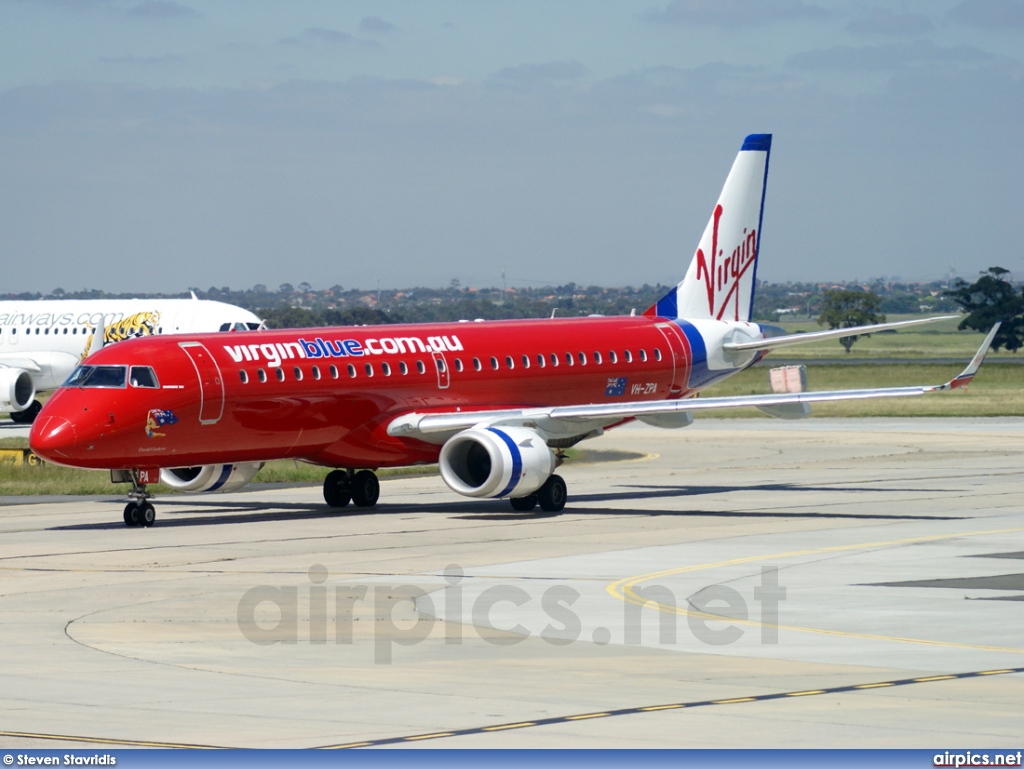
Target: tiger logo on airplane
143, 323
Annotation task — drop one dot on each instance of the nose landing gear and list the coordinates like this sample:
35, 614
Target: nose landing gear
139, 511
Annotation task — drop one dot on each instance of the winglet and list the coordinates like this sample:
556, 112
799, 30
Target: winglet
964, 377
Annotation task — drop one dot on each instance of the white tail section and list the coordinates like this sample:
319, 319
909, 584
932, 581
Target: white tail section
720, 281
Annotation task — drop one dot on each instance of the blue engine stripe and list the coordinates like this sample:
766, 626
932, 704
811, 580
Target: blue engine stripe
225, 473
517, 462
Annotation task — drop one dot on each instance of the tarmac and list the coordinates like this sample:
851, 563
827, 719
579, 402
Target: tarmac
738, 583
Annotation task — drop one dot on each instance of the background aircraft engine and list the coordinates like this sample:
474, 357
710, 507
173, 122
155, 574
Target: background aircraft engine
16, 389
496, 462
210, 477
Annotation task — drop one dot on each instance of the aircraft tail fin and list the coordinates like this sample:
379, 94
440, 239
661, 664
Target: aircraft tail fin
720, 281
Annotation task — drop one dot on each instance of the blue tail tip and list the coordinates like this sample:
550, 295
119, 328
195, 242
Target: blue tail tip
757, 143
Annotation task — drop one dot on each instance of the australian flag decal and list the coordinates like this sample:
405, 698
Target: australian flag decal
158, 418
616, 386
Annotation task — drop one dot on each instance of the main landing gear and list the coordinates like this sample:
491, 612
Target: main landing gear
344, 486
551, 497
139, 511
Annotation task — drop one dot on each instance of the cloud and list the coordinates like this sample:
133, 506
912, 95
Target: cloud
147, 61
883, 58
989, 14
733, 13
375, 25
323, 36
536, 75
162, 9
882, 21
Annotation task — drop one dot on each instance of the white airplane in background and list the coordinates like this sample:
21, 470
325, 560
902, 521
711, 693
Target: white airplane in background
41, 342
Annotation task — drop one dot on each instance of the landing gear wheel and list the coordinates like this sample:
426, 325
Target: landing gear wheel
131, 514
552, 495
27, 416
337, 488
139, 511
147, 514
524, 504
365, 488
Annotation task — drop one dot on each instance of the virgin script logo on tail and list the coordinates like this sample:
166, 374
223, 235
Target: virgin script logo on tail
722, 277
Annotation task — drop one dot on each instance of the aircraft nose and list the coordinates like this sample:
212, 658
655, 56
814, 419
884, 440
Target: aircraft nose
52, 437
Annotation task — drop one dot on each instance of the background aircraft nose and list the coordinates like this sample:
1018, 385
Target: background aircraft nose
52, 437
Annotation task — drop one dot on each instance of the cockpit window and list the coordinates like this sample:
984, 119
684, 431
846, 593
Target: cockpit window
142, 376
98, 376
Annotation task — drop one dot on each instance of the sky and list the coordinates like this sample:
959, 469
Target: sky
157, 145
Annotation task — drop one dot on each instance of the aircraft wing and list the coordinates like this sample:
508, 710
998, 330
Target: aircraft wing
816, 336
9, 360
565, 421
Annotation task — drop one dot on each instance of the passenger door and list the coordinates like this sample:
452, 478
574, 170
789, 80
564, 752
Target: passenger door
211, 385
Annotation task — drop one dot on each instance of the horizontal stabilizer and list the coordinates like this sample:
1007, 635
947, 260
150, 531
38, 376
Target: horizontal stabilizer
772, 343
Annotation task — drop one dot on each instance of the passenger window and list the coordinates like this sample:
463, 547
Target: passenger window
494, 363
643, 355
440, 364
386, 368
369, 369
261, 375
612, 356
597, 357
420, 367
526, 361
583, 359
476, 364
316, 372
458, 364
298, 374
509, 362
629, 356
554, 359
243, 376
657, 353
351, 371
541, 360
280, 374
403, 368
334, 372
569, 359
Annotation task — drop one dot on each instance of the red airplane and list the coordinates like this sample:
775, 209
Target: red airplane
494, 403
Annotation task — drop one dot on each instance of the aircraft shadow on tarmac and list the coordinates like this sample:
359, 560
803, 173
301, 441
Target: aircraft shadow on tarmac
213, 512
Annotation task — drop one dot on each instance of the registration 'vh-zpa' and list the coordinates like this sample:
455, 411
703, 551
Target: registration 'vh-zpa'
493, 403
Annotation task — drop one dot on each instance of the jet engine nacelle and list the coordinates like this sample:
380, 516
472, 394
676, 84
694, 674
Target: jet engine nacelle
17, 390
496, 462
210, 477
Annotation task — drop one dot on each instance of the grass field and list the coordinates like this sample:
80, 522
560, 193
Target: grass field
939, 340
20, 480
996, 391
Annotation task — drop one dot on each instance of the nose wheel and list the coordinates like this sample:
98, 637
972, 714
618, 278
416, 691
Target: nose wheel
139, 511
139, 514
